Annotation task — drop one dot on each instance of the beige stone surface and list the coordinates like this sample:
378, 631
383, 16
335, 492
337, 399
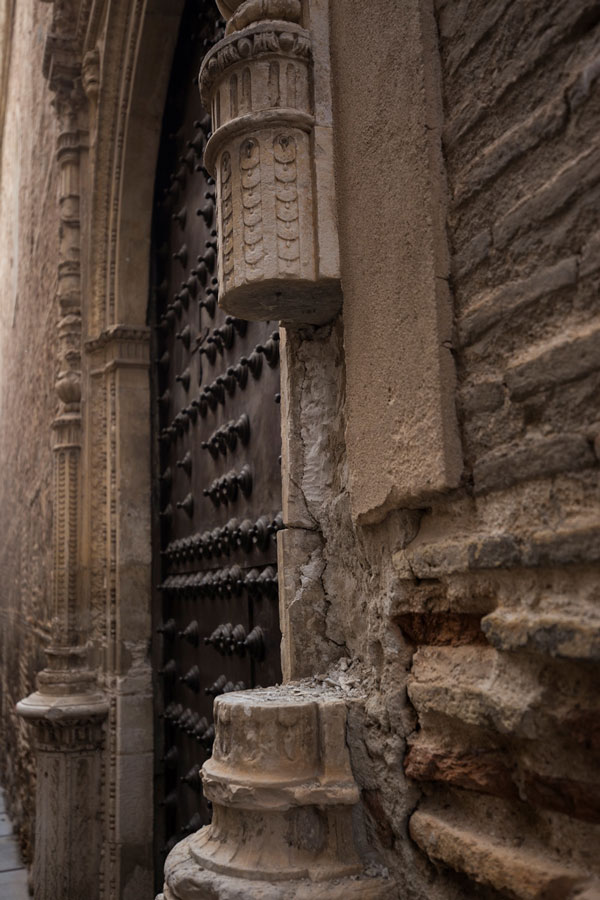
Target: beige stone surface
29, 236
271, 155
401, 432
467, 626
284, 800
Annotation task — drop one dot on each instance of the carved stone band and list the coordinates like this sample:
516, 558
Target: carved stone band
284, 41
268, 118
269, 160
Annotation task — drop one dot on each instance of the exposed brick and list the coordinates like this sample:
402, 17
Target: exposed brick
564, 547
574, 178
472, 254
476, 769
494, 552
519, 873
441, 628
522, 137
494, 307
564, 795
582, 726
533, 458
562, 361
590, 256
583, 83
555, 634
504, 550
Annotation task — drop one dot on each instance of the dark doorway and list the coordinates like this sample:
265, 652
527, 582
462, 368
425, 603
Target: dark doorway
216, 463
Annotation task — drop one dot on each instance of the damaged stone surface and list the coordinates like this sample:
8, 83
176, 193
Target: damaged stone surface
285, 804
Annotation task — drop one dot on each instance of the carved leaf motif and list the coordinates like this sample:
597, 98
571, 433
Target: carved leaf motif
251, 179
227, 218
287, 212
252, 206
253, 256
287, 231
288, 252
284, 149
287, 194
251, 199
287, 209
252, 217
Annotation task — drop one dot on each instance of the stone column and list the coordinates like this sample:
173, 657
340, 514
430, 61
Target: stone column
285, 806
67, 711
271, 153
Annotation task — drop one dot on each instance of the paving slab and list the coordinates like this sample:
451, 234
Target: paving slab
13, 885
5, 825
9, 854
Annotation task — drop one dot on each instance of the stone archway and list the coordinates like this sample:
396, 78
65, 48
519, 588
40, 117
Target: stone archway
136, 58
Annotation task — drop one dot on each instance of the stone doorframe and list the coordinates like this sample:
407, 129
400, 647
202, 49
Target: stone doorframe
108, 65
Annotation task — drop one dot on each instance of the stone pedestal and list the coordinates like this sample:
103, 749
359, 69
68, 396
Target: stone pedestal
284, 802
68, 735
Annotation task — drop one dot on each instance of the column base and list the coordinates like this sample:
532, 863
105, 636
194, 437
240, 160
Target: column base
68, 738
191, 882
284, 805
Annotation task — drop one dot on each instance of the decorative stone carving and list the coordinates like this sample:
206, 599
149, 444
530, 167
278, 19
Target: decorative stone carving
245, 12
67, 711
271, 155
283, 800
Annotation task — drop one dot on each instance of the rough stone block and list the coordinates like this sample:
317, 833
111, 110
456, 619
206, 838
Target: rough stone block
520, 873
401, 432
534, 458
493, 307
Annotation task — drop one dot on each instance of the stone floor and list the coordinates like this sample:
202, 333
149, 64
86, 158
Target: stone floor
13, 874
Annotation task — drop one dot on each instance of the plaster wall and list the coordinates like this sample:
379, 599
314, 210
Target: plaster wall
29, 240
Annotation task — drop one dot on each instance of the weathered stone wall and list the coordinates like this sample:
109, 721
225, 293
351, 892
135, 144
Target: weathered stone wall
505, 696
28, 238
468, 621
466, 175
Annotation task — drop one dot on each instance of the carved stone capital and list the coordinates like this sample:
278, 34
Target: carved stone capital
119, 347
271, 156
283, 798
66, 721
240, 13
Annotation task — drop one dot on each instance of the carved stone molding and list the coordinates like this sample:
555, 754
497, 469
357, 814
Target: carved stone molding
284, 799
246, 12
67, 711
119, 346
68, 737
271, 156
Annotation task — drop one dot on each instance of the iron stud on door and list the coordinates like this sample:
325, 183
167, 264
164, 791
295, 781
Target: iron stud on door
217, 478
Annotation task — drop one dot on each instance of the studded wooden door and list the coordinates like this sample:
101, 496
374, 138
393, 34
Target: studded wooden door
217, 493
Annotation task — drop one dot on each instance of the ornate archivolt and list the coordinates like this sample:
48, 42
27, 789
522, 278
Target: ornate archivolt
67, 710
